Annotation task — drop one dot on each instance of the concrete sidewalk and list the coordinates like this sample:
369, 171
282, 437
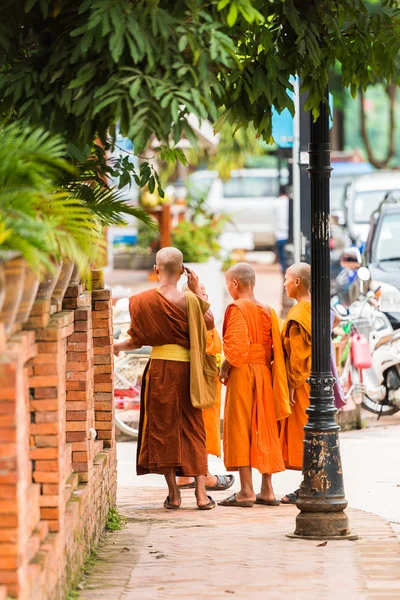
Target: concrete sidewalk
189, 554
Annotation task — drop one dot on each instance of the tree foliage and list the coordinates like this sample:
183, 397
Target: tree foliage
80, 67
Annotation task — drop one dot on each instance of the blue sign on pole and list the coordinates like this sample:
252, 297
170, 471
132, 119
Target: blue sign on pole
282, 125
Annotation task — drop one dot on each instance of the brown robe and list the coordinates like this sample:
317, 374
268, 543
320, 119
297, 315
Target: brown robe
171, 430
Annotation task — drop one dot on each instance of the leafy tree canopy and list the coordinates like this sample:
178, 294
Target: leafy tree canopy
79, 67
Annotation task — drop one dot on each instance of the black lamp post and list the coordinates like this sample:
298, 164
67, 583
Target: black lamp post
321, 500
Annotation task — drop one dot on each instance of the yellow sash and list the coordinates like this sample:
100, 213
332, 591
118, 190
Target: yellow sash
170, 352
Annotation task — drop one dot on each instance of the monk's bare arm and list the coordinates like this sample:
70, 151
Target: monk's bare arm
125, 346
224, 372
209, 319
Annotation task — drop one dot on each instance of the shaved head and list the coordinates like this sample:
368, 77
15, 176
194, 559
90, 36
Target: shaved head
243, 273
301, 271
169, 261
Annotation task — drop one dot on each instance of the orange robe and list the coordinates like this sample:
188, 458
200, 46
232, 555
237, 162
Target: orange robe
296, 336
251, 435
212, 416
171, 430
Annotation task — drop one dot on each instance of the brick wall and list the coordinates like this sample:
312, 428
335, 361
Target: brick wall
57, 482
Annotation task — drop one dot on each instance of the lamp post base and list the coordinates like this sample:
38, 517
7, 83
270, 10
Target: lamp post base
322, 526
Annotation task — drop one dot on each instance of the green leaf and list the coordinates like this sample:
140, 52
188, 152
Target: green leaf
232, 15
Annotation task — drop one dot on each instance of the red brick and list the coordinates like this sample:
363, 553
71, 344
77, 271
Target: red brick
45, 393
101, 294
8, 563
102, 359
8, 491
47, 417
82, 326
101, 332
104, 425
44, 428
102, 305
46, 358
49, 501
76, 415
8, 393
102, 350
50, 489
76, 436
47, 441
78, 376
82, 365
83, 314
43, 453
76, 396
8, 450
8, 435
49, 513
46, 477
8, 507
104, 416
79, 406
79, 346
79, 386
101, 322
43, 381
51, 369
103, 341
104, 387
80, 457
101, 369
7, 421
103, 405
54, 526
46, 465
78, 337
102, 396
44, 405
75, 426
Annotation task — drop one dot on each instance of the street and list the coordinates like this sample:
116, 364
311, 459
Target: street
370, 466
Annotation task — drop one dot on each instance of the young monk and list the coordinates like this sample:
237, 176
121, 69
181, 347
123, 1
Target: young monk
212, 420
254, 401
171, 431
296, 336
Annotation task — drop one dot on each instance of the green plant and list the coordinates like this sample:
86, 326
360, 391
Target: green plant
36, 220
115, 521
72, 595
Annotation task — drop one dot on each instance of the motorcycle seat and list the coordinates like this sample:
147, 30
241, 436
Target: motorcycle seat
386, 339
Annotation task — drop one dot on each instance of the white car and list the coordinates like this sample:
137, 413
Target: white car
364, 196
249, 197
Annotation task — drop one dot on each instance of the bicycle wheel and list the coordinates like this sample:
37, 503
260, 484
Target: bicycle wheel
125, 428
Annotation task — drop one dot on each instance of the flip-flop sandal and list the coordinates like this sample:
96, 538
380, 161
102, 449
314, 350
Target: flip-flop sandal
187, 486
208, 506
260, 500
231, 501
291, 498
224, 482
167, 504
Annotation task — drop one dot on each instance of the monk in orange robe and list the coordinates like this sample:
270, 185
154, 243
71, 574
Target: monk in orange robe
296, 336
212, 421
257, 393
171, 431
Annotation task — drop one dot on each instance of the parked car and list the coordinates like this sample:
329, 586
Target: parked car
364, 197
382, 257
343, 174
249, 197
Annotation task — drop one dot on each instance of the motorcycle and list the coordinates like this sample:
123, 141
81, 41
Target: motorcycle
374, 380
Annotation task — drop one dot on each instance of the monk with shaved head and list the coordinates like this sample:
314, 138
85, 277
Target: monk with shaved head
172, 437
257, 395
296, 337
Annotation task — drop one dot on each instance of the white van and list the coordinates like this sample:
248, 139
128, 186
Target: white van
249, 197
363, 197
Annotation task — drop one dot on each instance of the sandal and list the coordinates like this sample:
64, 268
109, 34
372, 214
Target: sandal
187, 486
260, 500
291, 498
231, 501
208, 506
224, 482
167, 504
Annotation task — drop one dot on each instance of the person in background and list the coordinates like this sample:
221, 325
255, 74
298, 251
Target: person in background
281, 222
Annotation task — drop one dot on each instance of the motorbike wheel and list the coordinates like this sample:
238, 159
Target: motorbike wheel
383, 410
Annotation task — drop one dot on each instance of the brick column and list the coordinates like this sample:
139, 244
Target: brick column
19, 498
49, 452
80, 404
103, 361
